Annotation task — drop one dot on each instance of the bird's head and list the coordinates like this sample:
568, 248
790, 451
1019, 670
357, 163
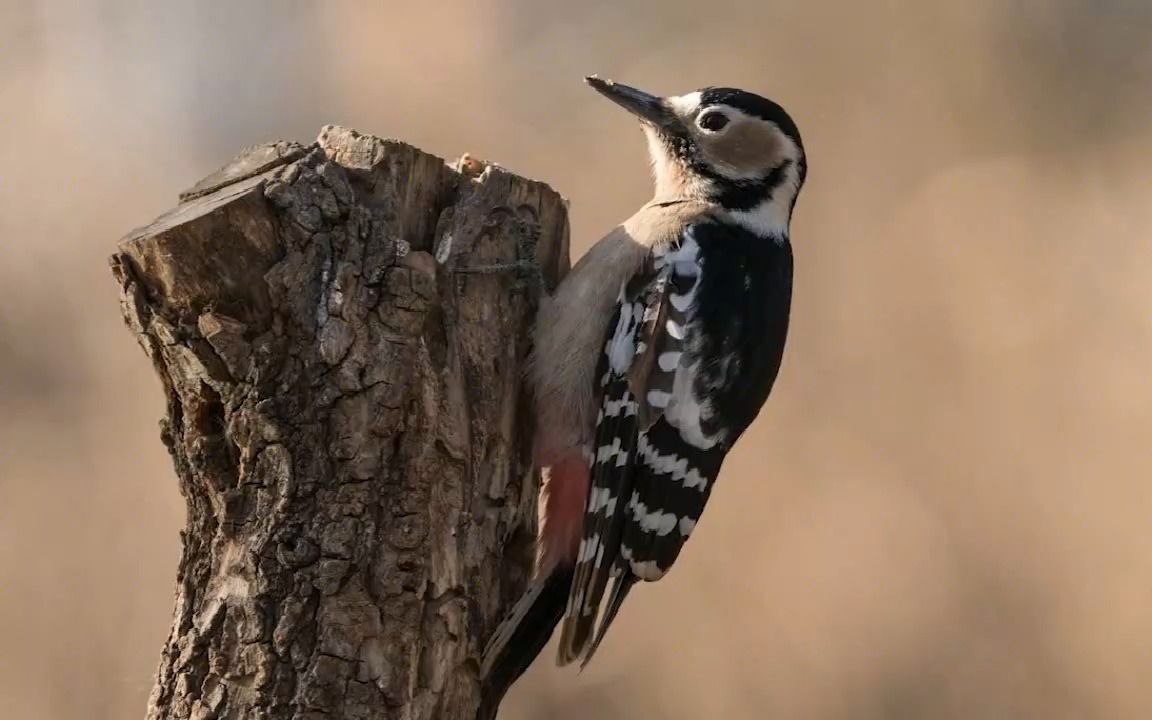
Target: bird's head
732, 148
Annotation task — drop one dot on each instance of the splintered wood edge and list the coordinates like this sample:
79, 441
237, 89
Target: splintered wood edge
251, 161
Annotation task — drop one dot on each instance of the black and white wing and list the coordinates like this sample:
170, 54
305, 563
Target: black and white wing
690, 355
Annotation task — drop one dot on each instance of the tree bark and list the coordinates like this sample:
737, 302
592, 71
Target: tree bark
346, 414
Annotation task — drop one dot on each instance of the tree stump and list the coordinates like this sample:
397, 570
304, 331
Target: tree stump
348, 421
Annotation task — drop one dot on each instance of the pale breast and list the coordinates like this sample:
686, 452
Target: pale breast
571, 326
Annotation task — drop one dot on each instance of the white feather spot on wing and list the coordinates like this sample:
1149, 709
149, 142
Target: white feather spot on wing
658, 522
668, 361
615, 408
682, 302
685, 260
693, 479
598, 498
602, 500
588, 548
606, 453
622, 347
653, 521
685, 409
671, 465
658, 398
687, 525
647, 570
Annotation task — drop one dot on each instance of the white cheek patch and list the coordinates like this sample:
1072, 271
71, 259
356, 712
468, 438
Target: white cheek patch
758, 145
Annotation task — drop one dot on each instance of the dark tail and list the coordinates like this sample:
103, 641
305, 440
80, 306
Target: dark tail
521, 637
624, 583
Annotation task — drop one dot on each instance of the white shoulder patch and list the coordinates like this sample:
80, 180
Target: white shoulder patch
622, 347
684, 407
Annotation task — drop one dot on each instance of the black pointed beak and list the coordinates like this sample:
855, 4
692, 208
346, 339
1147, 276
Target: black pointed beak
647, 107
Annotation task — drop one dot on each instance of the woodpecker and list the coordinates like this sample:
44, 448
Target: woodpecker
650, 360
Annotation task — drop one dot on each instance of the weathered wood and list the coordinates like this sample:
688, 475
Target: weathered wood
347, 421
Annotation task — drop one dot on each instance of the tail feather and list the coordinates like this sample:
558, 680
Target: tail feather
521, 637
623, 583
604, 520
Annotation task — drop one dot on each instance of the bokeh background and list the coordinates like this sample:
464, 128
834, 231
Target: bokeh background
945, 510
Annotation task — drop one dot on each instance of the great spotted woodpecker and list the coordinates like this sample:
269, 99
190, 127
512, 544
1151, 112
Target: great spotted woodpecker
650, 360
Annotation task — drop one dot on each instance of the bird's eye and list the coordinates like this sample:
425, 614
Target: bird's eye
712, 121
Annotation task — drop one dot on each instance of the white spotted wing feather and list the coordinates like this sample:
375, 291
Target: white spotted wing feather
653, 463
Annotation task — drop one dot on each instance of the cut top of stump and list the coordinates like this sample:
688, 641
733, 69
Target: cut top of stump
210, 253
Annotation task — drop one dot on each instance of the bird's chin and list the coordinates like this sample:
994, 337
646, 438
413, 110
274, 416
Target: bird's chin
673, 178
659, 135
658, 147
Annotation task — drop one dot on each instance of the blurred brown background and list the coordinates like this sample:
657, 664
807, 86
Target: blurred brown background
944, 511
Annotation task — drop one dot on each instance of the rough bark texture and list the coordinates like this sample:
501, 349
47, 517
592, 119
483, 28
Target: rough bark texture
346, 416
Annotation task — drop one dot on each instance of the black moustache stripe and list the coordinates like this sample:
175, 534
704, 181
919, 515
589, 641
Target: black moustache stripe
743, 194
